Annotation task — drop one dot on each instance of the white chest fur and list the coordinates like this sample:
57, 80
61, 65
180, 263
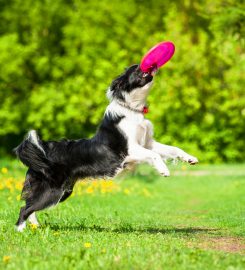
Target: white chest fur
134, 126
138, 130
141, 145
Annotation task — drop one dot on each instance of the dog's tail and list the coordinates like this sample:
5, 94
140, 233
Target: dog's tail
31, 152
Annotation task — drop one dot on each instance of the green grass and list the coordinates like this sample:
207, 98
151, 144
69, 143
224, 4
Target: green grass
193, 220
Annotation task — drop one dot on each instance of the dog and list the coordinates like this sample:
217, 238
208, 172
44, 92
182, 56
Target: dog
123, 138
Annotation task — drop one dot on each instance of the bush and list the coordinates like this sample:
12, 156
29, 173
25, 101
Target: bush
59, 57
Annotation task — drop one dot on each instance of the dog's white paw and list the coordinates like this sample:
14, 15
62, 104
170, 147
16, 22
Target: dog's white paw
161, 166
190, 159
164, 172
21, 227
193, 161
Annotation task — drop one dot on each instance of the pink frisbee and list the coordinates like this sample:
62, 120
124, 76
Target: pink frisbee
157, 56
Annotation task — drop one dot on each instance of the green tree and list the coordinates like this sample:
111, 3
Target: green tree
59, 57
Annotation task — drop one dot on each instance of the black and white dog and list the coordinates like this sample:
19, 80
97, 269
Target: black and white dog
124, 137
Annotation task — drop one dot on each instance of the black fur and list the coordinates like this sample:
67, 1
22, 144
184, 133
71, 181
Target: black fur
131, 79
54, 167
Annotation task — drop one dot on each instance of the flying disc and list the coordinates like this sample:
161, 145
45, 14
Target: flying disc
157, 56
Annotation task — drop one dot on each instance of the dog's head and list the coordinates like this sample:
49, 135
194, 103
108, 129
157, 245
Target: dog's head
131, 87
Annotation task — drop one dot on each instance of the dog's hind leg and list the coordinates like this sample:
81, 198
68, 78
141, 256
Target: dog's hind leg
21, 223
33, 219
65, 195
45, 199
38, 195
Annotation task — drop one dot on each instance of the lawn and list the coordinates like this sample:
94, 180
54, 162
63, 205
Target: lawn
194, 219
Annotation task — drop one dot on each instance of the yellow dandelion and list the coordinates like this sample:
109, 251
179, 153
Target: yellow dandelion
4, 170
56, 233
103, 250
18, 197
103, 184
183, 167
103, 190
18, 185
146, 193
6, 259
33, 226
87, 245
126, 191
9, 184
95, 184
89, 190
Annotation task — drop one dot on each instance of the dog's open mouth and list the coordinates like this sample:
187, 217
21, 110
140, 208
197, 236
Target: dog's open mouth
152, 71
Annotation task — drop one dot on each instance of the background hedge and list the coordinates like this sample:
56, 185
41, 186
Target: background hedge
58, 58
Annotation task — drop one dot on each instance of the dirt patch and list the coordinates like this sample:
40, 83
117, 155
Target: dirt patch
225, 244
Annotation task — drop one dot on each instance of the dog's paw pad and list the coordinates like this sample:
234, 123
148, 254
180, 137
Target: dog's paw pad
192, 161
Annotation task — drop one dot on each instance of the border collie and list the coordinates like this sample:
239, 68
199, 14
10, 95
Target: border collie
123, 138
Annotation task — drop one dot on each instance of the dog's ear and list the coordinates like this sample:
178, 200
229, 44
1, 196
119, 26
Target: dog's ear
121, 84
118, 86
118, 83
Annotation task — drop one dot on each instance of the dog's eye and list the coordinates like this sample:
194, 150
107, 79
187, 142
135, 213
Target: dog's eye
145, 74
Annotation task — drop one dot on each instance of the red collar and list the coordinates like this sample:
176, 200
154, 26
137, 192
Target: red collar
145, 110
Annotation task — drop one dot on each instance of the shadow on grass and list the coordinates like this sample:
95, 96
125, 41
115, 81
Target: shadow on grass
129, 229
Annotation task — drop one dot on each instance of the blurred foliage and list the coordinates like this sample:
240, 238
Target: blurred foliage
58, 58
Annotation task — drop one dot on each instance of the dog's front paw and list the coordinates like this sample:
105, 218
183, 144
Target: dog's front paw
190, 159
21, 227
165, 173
193, 161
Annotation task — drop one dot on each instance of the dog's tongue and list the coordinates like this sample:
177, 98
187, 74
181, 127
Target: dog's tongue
157, 57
